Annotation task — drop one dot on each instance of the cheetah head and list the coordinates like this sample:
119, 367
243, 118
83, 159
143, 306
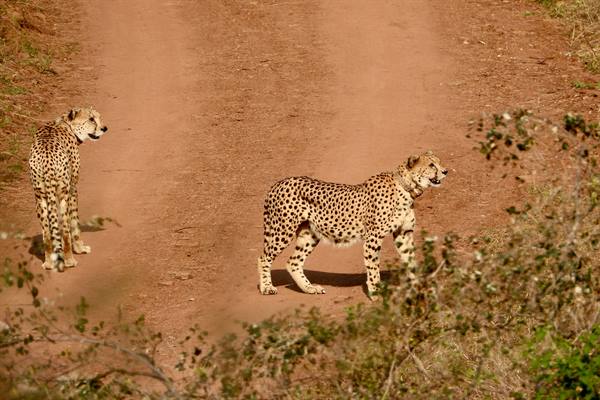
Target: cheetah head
426, 170
85, 123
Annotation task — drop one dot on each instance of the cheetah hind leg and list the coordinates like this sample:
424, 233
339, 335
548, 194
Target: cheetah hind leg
265, 285
53, 258
275, 241
305, 243
67, 241
42, 211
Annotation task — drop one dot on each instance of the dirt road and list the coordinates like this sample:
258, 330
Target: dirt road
205, 115
383, 84
209, 103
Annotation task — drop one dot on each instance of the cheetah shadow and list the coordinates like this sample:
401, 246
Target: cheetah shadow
281, 277
36, 245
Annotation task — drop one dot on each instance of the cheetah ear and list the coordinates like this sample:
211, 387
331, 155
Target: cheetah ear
73, 113
412, 160
429, 153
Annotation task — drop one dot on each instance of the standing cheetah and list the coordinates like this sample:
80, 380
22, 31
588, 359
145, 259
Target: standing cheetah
54, 167
313, 210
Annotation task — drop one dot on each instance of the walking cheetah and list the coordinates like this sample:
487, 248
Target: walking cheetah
54, 168
313, 210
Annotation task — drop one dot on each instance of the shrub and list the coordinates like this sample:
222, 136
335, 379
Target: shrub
566, 369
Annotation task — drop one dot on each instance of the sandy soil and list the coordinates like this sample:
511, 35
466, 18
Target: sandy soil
209, 103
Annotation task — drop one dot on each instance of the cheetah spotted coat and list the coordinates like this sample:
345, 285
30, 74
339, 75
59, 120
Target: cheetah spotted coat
54, 170
311, 211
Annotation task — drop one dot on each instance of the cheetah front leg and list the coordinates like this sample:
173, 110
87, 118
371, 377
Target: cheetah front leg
78, 246
404, 243
371, 250
305, 243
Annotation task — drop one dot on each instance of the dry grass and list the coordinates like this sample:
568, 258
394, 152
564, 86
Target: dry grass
29, 47
583, 20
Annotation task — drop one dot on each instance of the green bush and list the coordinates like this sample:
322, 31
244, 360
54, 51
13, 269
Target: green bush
566, 369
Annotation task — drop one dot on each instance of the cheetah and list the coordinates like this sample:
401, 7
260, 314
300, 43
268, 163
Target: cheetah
312, 210
54, 170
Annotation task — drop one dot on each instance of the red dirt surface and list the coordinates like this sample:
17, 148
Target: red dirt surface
209, 103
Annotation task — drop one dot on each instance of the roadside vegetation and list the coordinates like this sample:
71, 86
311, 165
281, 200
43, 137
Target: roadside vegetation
582, 18
512, 318
29, 48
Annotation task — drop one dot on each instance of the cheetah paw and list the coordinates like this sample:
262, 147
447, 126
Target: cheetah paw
314, 289
374, 297
71, 263
47, 265
269, 289
80, 248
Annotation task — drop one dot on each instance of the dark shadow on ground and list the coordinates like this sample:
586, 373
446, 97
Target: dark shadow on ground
36, 246
282, 278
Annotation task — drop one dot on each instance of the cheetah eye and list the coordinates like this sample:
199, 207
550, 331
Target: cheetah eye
432, 165
92, 119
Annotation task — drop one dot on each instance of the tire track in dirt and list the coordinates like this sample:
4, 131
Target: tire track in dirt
140, 74
203, 117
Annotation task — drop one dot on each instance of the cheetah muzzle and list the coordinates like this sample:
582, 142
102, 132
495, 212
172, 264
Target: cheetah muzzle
311, 211
435, 182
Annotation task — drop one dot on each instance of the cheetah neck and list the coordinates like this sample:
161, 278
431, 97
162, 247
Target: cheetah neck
61, 121
403, 178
